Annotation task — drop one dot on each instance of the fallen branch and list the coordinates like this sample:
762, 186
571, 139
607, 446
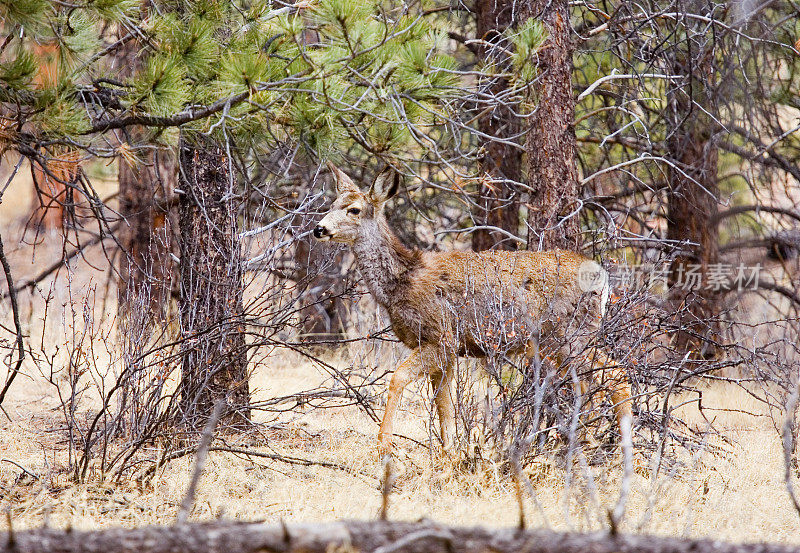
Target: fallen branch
355, 537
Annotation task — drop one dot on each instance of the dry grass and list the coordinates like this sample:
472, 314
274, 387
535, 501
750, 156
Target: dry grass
740, 497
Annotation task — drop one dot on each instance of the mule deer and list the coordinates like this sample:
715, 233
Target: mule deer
445, 304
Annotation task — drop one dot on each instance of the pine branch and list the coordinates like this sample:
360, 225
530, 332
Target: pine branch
188, 115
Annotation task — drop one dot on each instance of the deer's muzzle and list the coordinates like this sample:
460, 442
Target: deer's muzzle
320, 232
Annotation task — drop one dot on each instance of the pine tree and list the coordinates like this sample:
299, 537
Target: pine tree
693, 197
552, 151
499, 196
214, 353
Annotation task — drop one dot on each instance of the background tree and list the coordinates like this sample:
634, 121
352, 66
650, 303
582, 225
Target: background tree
146, 176
214, 353
498, 191
552, 171
693, 197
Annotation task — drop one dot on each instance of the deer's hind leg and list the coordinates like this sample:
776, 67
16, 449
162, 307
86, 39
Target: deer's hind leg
569, 367
595, 366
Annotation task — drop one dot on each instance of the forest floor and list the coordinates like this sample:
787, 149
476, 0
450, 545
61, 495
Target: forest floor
738, 495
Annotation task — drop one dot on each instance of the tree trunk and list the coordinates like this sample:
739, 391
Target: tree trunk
146, 182
501, 164
214, 353
324, 314
145, 194
355, 537
692, 208
693, 192
551, 147
53, 183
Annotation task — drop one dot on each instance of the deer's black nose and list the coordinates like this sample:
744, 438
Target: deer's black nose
320, 231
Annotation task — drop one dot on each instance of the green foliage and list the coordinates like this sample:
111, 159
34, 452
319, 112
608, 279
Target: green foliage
61, 116
376, 73
214, 11
332, 74
423, 73
49, 47
528, 38
161, 90
191, 45
18, 72
25, 13
114, 11
77, 36
345, 15
244, 71
314, 123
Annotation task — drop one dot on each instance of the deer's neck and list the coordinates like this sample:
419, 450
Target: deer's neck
383, 261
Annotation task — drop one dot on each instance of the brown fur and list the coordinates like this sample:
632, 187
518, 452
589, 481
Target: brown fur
445, 304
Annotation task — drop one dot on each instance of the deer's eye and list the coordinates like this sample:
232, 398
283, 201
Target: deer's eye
353, 211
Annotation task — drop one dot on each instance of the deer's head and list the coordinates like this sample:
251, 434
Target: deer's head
355, 212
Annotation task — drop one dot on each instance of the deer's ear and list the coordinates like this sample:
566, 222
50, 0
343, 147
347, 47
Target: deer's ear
385, 186
344, 184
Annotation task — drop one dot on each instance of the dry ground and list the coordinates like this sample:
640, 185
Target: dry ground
740, 497
737, 497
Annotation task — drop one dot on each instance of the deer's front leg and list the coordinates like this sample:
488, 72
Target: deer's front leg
441, 381
408, 371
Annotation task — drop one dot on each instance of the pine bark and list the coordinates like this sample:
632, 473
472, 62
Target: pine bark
693, 206
355, 537
693, 195
147, 234
551, 146
501, 163
214, 352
